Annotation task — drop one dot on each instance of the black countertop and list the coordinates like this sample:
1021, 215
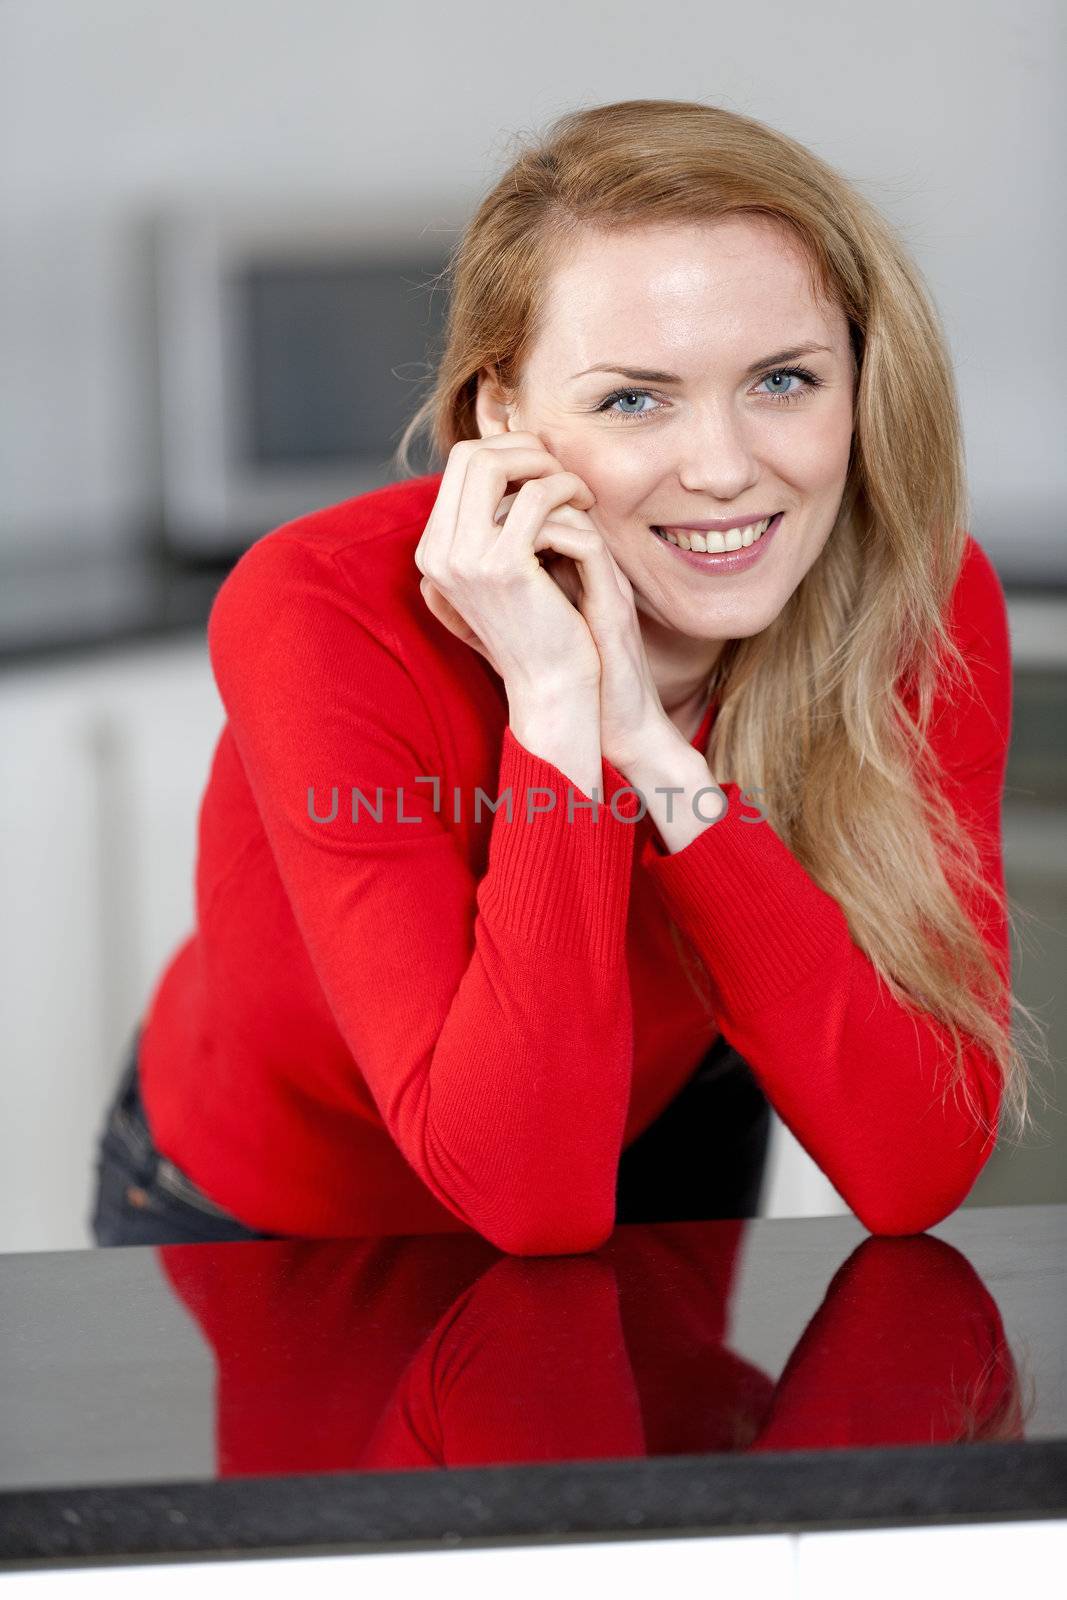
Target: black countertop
378, 1394
69, 604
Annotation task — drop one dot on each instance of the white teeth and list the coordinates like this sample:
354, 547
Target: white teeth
718, 543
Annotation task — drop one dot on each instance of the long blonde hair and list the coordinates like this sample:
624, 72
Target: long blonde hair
810, 709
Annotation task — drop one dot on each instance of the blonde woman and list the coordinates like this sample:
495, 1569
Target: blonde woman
697, 551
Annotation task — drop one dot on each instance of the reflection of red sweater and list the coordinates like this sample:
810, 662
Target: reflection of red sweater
449, 1024
400, 1353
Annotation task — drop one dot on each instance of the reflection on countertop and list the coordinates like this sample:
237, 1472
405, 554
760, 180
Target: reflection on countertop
770, 1373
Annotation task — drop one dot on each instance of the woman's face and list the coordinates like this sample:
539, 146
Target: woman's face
722, 432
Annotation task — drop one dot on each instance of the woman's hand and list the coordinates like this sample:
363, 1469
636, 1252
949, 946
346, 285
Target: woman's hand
481, 574
632, 718
493, 587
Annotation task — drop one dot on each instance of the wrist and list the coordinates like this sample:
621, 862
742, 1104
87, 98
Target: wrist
678, 791
571, 719
562, 730
671, 763
564, 699
659, 748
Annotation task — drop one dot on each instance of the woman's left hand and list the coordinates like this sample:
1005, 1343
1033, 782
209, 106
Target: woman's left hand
632, 718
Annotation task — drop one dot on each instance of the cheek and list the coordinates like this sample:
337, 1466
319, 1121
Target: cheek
818, 455
813, 458
620, 477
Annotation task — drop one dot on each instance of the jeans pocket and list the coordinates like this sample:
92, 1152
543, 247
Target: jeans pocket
141, 1196
124, 1211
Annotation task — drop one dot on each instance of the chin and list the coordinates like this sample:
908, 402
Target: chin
719, 623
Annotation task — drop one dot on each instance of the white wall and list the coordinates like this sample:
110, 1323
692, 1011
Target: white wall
949, 115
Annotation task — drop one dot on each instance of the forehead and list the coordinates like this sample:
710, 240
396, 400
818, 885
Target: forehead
658, 294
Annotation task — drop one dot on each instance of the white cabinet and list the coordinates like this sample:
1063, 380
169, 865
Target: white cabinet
102, 763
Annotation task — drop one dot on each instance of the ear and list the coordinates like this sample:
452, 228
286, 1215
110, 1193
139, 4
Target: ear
491, 406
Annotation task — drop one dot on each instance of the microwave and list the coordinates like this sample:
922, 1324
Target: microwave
292, 348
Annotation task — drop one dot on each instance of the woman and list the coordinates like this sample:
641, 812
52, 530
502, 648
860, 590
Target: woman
404, 1011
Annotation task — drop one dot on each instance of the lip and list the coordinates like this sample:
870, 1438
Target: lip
732, 560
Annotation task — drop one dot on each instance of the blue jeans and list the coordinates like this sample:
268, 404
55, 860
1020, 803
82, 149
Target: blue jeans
141, 1197
703, 1158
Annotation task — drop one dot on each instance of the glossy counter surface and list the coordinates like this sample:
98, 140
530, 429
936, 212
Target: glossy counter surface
391, 1393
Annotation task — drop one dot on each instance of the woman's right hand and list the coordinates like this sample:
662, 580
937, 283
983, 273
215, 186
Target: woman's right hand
482, 578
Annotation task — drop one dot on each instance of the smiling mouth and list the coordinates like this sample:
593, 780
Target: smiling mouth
717, 543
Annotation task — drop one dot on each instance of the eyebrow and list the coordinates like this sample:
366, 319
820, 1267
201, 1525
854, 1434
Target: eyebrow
648, 375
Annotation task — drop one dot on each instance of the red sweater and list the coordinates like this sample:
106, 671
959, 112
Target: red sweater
395, 1026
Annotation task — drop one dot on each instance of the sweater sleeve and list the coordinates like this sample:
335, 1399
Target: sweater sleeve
855, 1077
491, 1019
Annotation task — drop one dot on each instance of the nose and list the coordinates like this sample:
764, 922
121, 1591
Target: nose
717, 456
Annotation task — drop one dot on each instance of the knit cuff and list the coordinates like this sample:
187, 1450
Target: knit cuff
559, 876
762, 925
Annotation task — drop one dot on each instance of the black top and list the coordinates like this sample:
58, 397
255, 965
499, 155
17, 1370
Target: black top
735, 1376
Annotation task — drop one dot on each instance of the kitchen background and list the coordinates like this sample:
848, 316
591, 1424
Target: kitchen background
220, 223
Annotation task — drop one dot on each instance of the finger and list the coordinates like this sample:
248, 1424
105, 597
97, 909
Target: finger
626, 588
570, 514
536, 502
580, 519
452, 500
601, 591
543, 485
573, 517
468, 451
433, 547
563, 571
437, 534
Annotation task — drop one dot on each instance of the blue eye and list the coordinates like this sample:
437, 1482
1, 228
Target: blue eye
808, 382
626, 394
